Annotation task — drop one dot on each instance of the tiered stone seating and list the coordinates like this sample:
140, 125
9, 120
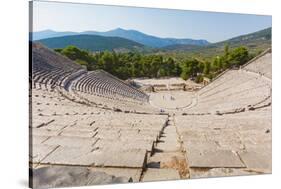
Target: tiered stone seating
51, 70
73, 123
229, 145
43, 57
234, 91
99, 89
102, 84
236, 140
96, 121
261, 65
67, 133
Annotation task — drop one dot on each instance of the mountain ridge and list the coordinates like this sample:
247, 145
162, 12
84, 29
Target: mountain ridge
255, 41
92, 43
134, 35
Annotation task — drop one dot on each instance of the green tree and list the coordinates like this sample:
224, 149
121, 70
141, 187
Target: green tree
207, 67
106, 62
74, 53
134, 64
217, 64
201, 67
189, 68
82, 63
239, 56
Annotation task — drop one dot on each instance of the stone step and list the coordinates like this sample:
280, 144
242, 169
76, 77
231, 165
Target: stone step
89, 157
171, 145
213, 159
160, 175
218, 172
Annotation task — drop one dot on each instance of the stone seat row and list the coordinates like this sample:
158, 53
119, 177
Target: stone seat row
87, 140
233, 91
217, 145
261, 66
98, 82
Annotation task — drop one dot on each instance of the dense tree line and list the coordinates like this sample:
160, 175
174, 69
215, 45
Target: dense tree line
133, 64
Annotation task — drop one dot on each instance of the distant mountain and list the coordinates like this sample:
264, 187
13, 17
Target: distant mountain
248, 39
255, 41
92, 43
139, 37
49, 34
148, 40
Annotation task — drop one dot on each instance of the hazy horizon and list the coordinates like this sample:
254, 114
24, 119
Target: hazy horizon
164, 23
146, 33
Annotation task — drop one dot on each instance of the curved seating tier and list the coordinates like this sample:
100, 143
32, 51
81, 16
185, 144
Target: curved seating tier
227, 145
46, 58
103, 84
51, 70
73, 125
72, 134
237, 90
262, 65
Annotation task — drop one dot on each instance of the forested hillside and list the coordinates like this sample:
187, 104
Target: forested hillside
255, 42
134, 64
92, 43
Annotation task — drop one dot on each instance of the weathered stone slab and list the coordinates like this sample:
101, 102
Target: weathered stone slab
191, 145
160, 175
92, 157
38, 139
107, 135
230, 145
71, 141
64, 121
259, 160
41, 121
138, 137
44, 132
256, 135
39, 152
222, 136
82, 129
210, 158
77, 133
166, 160
171, 130
169, 145
134, 174
71, 156
109, 144
251, 145
62, 176
55, 126
217, 172
135, 158
192, 135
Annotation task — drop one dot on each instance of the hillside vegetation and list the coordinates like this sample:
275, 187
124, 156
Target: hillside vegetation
92, 43
134, 64
128, 59
176, 48
255, 42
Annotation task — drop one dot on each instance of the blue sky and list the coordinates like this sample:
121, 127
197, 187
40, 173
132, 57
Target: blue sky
211, 26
